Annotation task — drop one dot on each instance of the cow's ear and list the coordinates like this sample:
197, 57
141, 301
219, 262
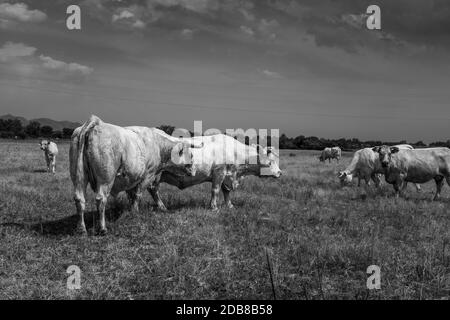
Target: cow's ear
376, 149
394, 149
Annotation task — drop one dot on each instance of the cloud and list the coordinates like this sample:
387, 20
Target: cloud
125, 14
133, 16
355, 20
199, 6
267, 28
20, 12
187, 34
247, 15
270, 74
138, 24
247, 30
70, 68
15, 50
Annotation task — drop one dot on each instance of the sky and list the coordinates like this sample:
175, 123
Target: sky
305, 67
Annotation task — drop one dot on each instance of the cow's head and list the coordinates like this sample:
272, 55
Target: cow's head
44, 145
182, 157
345, 177
385, 154
268, 161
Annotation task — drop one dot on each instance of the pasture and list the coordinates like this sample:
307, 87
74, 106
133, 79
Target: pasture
320, 238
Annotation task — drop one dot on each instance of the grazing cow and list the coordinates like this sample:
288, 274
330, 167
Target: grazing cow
366, 165
330, 153
51, 151
113, 159
417, 166
223, 161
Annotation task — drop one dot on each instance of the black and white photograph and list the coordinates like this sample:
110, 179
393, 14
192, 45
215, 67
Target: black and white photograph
239, 152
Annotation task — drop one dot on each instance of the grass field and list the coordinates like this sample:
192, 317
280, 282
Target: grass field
319, 238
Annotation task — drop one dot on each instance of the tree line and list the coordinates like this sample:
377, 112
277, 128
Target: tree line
314, 143
13, 129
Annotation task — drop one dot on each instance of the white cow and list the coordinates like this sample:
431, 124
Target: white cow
50, 151
113, 159
417, 166
365, 165
223, 161
330, 153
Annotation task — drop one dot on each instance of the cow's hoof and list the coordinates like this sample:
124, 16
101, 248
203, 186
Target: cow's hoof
102, 232
81, 232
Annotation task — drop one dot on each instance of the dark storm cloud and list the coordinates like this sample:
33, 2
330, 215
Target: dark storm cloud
331, 23
334, 23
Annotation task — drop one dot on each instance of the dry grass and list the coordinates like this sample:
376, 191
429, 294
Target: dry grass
320, 238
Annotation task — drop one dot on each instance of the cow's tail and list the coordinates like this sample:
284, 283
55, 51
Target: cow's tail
80, 166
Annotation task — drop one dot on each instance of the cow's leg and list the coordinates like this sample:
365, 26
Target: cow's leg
376, 180
80, 203
397, 186
135, 195
154, 192
226, 197
101, 199
47, 160
439, 182
215, 188
359, 182
404, 186
217, 181
53, 159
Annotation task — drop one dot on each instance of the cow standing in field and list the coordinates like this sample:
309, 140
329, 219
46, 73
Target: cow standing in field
112, 159
330, 153
366, 165
50, 151
223, 161
417, 166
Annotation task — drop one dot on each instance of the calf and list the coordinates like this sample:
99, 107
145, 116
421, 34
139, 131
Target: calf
51, 151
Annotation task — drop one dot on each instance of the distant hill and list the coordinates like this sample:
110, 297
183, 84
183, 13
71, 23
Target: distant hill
11, 117
55, 124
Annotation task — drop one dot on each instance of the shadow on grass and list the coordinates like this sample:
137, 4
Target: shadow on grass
40, 171
67, 225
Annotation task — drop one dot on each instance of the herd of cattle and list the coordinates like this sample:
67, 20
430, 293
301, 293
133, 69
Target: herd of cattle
112, 159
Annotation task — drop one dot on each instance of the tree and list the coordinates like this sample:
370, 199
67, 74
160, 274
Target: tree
67, 132
33, 129
167, 129
57, 135
46, 131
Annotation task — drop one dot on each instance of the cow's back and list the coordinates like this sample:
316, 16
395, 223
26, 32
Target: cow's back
52, 148
420, 165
